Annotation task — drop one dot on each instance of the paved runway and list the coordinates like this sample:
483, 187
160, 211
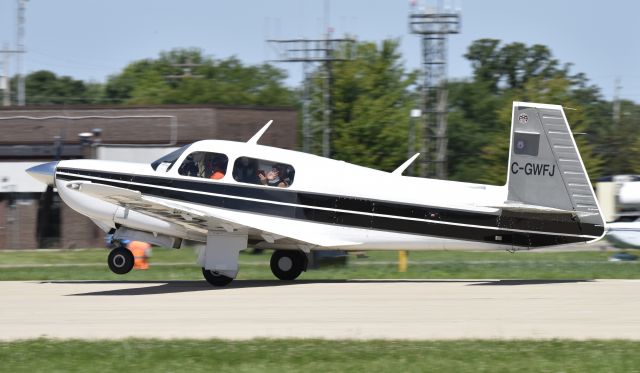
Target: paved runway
420, 309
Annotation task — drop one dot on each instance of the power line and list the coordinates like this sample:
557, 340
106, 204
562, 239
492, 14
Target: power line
187, 70
308, 51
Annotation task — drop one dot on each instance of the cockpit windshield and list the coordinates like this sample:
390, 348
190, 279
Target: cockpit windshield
168, 160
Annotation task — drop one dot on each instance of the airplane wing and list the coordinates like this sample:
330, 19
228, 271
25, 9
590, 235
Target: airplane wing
270, 229
133, 199
274, 229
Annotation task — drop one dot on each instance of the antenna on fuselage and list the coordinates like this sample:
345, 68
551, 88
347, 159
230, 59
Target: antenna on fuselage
405, 165
258, 135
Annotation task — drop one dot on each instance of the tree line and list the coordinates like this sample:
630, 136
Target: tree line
372, 95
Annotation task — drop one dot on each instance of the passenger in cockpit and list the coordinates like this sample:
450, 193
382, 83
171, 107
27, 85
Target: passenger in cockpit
273, 177
246, 171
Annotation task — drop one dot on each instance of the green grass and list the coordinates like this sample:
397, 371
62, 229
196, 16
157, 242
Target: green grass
260, 355
145, 355
169, 264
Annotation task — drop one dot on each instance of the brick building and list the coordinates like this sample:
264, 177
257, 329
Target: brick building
32, 135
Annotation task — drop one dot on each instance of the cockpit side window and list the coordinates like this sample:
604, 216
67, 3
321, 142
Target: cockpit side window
207, 165
168, 160
263, 172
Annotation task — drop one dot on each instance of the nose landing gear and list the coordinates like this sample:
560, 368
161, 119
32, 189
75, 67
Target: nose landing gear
120, 260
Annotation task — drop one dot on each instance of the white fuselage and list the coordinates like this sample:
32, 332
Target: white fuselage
314, 176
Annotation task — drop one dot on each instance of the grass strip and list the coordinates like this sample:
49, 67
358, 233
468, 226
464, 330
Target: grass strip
169, 264
260, 355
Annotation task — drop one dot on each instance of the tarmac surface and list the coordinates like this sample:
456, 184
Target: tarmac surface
354, 309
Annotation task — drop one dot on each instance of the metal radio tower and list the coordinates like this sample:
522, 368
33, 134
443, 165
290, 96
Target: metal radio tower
434, 26
309, 51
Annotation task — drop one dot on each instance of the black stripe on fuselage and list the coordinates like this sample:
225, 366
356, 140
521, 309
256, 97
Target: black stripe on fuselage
357, 212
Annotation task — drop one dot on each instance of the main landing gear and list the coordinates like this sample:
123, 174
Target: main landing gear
120, 260
216, 279
219, 258
288, 264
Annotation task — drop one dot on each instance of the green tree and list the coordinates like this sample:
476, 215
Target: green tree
480, 118
224, 81
619, 142
510, 66
472, 124
555, 90
45, 87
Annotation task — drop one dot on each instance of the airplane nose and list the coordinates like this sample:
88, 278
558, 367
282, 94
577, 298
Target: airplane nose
43, 172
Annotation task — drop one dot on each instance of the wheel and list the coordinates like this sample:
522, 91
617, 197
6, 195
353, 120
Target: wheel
216, 279
288, 264
120, 260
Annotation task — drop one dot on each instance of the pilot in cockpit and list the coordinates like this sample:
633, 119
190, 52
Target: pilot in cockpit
188, 167
217, 167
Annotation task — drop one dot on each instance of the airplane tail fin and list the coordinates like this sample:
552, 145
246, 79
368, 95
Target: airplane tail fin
546, 171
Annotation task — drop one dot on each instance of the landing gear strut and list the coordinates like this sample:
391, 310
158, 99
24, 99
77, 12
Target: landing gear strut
288, 264
215, 278
120, 260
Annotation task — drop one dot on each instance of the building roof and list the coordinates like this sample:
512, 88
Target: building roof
29, 132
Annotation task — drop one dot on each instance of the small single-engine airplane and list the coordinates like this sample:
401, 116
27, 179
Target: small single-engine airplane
624, 231
234, 195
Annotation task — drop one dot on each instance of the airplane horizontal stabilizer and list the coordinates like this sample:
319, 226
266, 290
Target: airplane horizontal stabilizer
521, 207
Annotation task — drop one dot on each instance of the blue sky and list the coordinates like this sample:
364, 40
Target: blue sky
91, 39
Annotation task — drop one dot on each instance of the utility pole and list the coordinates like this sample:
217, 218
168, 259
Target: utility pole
5, 83
434, 26
411, 141
616, 103
20, 50
308, 51
187, 70
4, 78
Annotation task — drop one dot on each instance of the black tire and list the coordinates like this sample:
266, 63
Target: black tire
120, 260
288, 264
216, 279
